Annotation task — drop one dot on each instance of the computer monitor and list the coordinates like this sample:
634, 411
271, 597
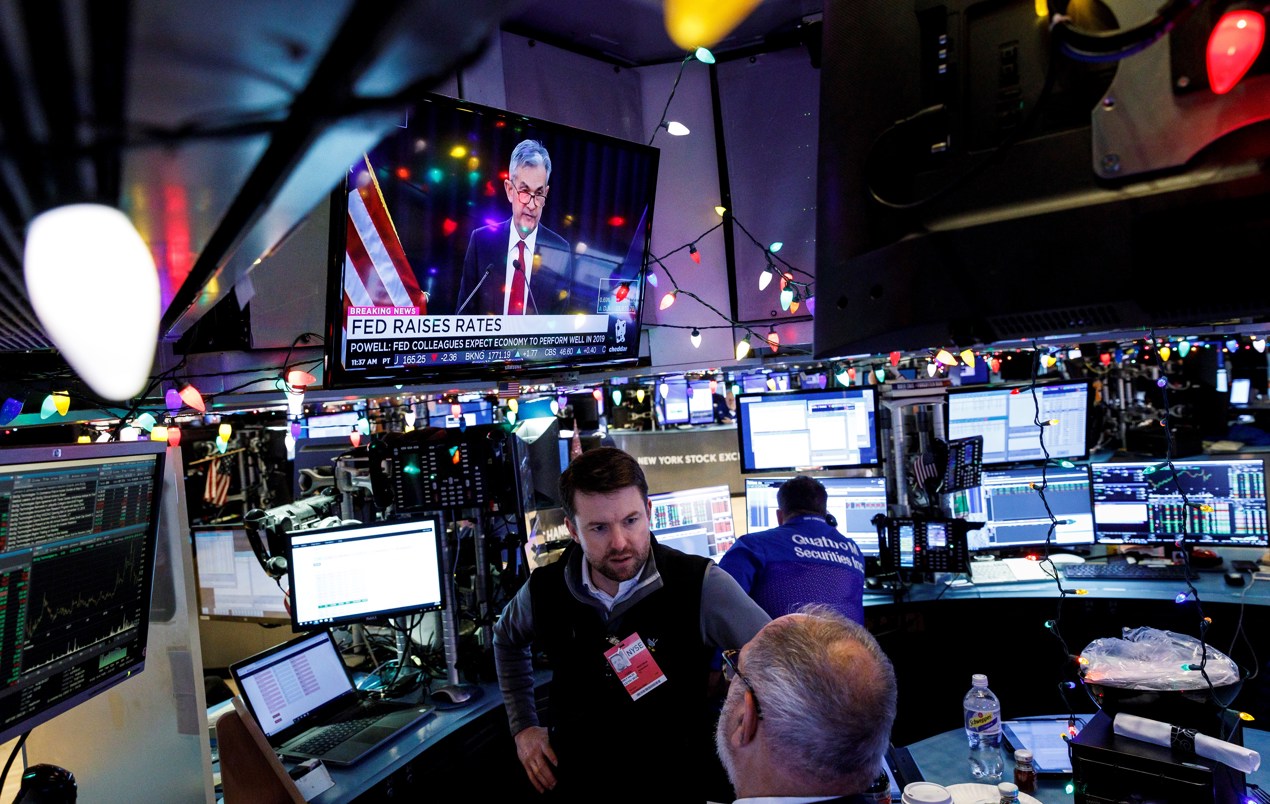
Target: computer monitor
469, 414
331, 424
831, 429
696, 521
1240, 391
1014, 514
78, 527
753, 382
1139, 502
538, 450
700, 402
672, 403
853, 501
1006, 418
365, 573
231, 583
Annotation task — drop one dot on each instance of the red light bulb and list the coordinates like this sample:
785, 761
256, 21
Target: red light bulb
1233, 46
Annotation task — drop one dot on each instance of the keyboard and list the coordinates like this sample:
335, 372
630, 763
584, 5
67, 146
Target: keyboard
334, 734
1008, 570
1124, 571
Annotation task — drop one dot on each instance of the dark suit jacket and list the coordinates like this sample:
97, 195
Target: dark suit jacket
487, 251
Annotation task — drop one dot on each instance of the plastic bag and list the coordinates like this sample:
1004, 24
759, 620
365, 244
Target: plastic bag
1151, 659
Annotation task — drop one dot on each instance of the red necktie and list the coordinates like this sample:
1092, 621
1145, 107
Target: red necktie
516, 305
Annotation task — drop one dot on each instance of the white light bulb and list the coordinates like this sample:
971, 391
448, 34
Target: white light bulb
93, 284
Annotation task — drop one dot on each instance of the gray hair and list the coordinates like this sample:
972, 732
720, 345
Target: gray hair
827, 693
529, 153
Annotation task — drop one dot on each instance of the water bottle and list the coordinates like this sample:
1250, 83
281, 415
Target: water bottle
983, 730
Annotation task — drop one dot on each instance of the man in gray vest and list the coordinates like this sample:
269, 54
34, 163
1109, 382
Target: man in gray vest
629, 627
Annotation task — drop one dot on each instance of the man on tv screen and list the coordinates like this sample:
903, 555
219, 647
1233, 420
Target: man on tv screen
519, 266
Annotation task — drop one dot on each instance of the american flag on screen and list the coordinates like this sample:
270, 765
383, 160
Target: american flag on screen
376, 271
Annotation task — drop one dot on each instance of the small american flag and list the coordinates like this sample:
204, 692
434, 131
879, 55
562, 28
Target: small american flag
927, 471
216, 491
509, 390
376, 271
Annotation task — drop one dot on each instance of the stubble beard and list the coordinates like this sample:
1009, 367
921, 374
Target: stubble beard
606, 569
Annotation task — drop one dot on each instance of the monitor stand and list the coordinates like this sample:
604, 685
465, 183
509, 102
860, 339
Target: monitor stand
453, 694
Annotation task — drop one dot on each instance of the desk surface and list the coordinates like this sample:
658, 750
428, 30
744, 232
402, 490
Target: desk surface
1211, 586
943, 759
355, 780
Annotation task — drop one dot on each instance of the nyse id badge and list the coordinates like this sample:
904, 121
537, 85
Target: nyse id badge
635, 667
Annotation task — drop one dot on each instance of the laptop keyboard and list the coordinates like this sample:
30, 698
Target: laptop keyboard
332, 735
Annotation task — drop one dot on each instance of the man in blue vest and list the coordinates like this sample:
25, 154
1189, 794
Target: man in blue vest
629, 627
809, 712
805, 560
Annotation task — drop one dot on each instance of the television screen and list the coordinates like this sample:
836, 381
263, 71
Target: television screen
1014, 515
1006, 418
231, 583
78, 526
853, 501
1142, 502
829, 429
696, 521
475, 241
364, 573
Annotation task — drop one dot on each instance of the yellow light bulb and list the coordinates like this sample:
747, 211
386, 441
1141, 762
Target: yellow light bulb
703, 23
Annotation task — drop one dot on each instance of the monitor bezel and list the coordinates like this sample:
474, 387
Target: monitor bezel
742, 426
1007, 389
17, 456
379, 617
336, 376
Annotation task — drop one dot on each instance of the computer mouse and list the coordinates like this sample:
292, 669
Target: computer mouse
872, 583
450, 694
47, 784
1235, 579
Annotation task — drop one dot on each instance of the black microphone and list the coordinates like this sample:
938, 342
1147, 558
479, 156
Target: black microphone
517, 266
484, 276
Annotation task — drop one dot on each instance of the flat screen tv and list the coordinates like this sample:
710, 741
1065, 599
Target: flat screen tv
830, 429
365, 573
78, 527
1006, 417
1137, 502
477, 242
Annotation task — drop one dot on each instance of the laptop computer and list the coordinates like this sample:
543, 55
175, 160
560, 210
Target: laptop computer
301, 694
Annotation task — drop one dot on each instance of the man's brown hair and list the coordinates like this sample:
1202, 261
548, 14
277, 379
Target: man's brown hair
602, 470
